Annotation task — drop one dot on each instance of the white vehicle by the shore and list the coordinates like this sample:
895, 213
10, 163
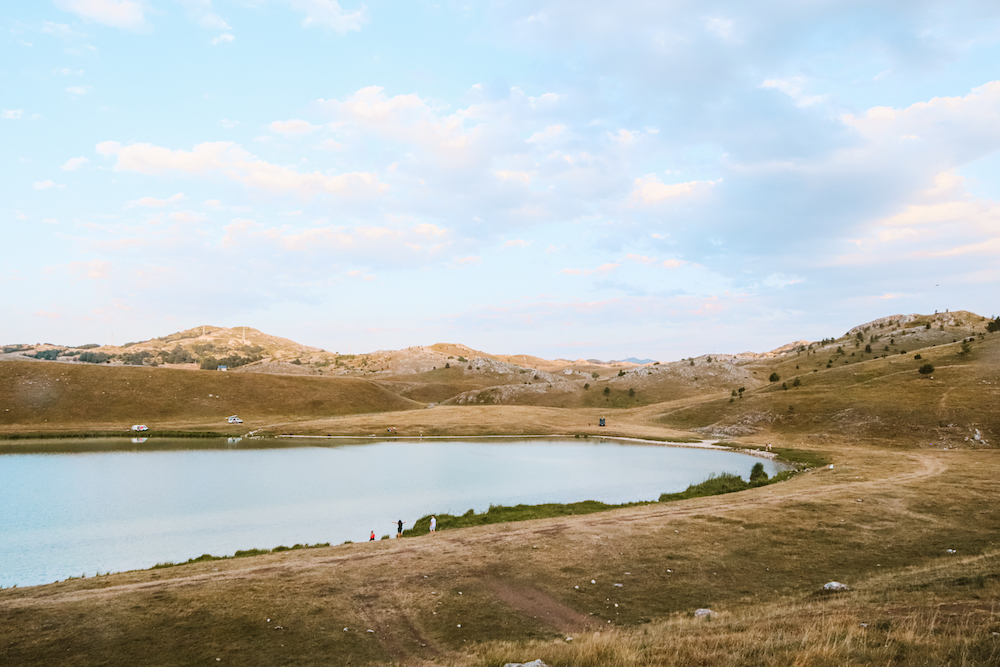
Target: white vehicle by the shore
234, 420
139, 427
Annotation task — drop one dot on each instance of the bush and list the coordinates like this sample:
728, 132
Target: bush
447, 365
48, 355
757, 473
796, 382
631, 392
926, 369
586, 385
966, 347
774, 377
607, 391
95, 357
917, 356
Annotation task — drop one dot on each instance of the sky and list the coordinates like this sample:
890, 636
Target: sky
578, 179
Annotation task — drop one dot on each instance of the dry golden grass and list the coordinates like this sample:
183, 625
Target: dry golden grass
54, 397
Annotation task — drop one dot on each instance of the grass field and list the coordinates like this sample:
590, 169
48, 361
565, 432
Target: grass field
907, 516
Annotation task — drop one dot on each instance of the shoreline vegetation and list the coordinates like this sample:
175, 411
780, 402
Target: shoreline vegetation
712, 486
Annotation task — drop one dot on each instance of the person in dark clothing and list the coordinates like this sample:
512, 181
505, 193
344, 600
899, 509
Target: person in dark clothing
399, 528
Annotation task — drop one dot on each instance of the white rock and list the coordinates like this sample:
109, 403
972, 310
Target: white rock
698, 613
533, 663
835, 586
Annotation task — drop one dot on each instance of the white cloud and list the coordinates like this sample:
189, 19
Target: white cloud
793, 88
328, 13
960, 128
229, 124
213, 22
153, 202
291, 127
79, 90
12, 114
44, 185
223, 39
125, 14
230, 160
74, 163
50, 221
649, 190
516, 243
640, 259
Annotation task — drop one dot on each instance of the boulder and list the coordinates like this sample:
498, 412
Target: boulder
836, 586
698, 613
533, 663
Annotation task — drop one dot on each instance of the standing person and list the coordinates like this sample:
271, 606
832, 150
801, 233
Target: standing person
372, 538
399, 528
434, 523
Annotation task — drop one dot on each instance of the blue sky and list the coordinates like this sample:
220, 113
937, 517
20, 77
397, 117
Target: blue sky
566, 179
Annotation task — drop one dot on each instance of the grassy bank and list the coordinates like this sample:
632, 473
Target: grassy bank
713, 486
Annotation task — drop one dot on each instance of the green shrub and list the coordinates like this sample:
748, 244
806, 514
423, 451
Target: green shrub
926, 369
95, 357
774, 377
757, 473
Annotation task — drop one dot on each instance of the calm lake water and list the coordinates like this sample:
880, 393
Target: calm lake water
89, 506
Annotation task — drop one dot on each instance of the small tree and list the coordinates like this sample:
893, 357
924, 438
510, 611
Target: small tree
607, 391
796, 382
966, 347
586, 385
757, 473
926, 369
784, 385
447, 365
774, 377
631, 392
595, 375
868, 348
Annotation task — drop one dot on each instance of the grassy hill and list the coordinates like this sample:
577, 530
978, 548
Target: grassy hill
58, 396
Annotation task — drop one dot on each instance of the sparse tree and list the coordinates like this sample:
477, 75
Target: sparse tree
926, 369
757, 473
631, 392
966, 346
607, 391
774, 377
868, 348
586, 385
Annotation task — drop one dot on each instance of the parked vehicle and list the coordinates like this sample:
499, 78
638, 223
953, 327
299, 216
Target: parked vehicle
139, 427
234, 420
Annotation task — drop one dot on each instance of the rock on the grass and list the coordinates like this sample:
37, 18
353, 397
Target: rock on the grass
698, 613
836, 586
533, 663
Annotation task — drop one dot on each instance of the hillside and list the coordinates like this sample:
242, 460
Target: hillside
73, 397
723, 394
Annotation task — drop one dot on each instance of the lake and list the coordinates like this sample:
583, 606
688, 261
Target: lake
79, 507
